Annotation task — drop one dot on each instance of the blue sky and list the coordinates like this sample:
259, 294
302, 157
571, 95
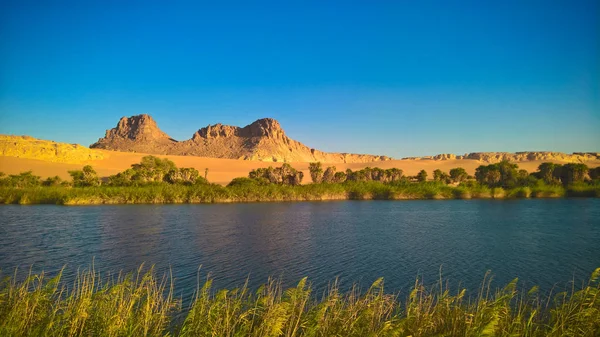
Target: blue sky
400, 78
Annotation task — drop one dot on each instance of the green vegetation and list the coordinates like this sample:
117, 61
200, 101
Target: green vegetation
316, 172
458, 175
153, 170
439, 175
143, 304
21, 180
422, 176
86, 177
507, 175
156, 180
285, 175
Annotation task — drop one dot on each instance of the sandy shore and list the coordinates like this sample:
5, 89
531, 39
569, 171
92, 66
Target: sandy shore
223, 171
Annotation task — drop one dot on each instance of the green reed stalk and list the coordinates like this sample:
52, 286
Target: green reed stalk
142, 304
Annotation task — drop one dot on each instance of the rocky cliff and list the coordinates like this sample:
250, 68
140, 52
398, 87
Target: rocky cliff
32, 148
262, 140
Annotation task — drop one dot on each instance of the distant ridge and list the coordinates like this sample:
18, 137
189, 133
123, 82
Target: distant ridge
496, 157
262, 140
50, 151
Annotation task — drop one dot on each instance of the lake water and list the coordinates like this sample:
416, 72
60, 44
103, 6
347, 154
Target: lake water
544, 242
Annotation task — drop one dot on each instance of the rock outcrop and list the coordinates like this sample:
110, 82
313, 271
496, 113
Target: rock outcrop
32, 148
496, 157
140, 128
262, 140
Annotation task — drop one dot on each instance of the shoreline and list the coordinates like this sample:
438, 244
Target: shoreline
212, 194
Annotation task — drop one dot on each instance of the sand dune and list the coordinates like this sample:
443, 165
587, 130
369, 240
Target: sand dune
221, 171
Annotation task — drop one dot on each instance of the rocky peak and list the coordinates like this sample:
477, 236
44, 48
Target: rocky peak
216, 131
265, 127
140, 127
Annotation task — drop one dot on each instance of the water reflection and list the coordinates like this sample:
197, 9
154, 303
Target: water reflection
541, 241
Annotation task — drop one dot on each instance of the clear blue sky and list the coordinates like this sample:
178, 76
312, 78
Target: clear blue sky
400, 78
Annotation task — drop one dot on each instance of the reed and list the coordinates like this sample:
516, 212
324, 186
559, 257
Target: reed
142, 304
582, 190
163, 193
137, 304
548, 191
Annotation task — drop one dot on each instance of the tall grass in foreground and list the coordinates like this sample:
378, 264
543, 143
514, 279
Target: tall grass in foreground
143, 305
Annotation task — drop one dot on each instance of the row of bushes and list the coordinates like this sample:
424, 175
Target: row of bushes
151, 170
504, 174
508, 175
250, 190
156, 180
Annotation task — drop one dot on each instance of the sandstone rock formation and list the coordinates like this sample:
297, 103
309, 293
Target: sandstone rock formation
262, 140
32, 148
496, 157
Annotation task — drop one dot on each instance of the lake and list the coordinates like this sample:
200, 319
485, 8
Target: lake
541, 241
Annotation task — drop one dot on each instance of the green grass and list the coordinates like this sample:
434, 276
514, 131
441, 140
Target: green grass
548, 191
163, 193
582, 190
143, 304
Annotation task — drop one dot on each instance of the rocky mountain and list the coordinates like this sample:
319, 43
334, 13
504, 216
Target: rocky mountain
496, 157
262, 140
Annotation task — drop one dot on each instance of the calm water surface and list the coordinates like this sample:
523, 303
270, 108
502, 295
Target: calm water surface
542, 242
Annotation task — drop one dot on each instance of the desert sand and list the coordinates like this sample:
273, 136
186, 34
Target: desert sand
222, 171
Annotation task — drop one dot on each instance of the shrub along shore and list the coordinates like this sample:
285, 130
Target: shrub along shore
179, 194
143, 304
159, 181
